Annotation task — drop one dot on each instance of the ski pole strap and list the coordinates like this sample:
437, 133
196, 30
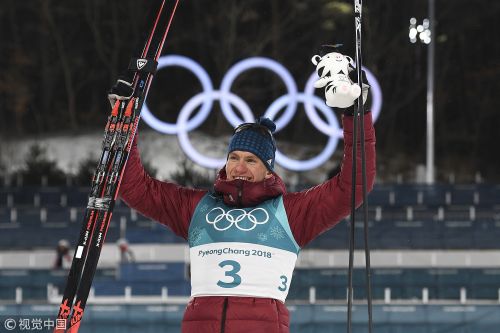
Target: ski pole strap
143, 65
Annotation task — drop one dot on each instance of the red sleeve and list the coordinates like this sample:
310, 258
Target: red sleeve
167, 203
315, 210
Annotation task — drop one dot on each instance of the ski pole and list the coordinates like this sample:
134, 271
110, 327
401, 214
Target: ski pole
359, 113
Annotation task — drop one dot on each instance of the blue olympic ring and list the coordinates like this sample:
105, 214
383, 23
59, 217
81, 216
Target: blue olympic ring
228, 100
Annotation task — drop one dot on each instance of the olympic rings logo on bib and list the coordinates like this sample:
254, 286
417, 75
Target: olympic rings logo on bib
204, 101
241, 219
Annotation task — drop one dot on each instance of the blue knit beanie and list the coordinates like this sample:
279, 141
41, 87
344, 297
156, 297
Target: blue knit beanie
256, 138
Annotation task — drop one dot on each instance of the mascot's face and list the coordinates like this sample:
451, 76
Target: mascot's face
331, 63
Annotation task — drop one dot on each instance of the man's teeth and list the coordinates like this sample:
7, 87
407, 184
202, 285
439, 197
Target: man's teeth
242, 178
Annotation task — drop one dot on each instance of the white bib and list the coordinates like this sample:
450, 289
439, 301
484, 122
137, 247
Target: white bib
241, 269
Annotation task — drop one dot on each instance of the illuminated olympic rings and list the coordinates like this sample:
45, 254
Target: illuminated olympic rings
204, 101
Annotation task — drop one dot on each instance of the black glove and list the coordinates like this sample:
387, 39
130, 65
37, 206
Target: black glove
122, 90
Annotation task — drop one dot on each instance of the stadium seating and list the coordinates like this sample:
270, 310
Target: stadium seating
405, 284
330, 283
401, 216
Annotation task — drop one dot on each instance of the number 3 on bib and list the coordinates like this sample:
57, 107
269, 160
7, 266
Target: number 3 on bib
284, 281
235, 268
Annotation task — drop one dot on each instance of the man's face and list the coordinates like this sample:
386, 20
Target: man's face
246, 166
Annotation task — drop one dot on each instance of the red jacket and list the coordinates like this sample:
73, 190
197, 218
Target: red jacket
310, 213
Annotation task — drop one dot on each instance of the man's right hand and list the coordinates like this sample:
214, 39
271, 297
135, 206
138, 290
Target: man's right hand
122, 90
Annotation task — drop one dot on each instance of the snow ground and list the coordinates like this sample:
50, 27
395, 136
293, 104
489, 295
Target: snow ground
161, 151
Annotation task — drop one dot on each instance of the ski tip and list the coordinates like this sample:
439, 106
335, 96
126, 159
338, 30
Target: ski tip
74, 328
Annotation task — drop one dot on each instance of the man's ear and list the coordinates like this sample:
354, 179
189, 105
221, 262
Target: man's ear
269, 174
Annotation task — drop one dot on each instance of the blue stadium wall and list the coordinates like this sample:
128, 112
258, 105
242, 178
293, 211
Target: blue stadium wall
305, 318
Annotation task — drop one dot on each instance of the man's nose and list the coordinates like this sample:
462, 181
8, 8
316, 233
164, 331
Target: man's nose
240, 166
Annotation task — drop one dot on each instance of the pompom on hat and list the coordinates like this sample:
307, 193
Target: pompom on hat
256, 138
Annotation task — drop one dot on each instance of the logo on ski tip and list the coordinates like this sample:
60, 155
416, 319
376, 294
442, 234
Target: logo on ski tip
141, 63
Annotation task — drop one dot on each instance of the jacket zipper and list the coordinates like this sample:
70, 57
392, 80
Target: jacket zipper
223, 318
240, 194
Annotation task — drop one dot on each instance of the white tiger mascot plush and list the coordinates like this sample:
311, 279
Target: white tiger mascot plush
333, 70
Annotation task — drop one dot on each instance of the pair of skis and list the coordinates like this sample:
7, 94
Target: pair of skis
118, 136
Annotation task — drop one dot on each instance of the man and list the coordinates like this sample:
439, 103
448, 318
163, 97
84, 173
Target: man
245, 234
62, 254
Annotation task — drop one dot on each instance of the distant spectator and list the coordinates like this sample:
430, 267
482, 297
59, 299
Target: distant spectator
126, 254
62, 254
